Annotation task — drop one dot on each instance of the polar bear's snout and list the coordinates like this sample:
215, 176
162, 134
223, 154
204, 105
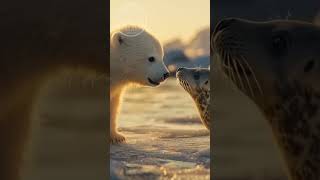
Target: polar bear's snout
165, 76
157, 74
165, 72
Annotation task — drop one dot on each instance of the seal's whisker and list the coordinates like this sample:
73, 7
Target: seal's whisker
224, 57
225, 63
225, 69
238, 74
246, 77
230, 72
229, 68
229, 42
253, 73
234, 79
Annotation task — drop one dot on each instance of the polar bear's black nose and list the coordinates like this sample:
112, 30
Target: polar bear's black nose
165, 76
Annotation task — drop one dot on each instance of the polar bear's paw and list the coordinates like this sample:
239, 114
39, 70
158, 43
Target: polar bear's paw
116, 138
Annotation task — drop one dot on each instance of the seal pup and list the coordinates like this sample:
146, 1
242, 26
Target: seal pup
277, 65
197, 83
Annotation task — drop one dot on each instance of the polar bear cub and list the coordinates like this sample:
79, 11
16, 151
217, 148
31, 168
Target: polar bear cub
136, 57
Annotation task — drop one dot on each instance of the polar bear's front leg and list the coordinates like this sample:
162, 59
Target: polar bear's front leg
115, 136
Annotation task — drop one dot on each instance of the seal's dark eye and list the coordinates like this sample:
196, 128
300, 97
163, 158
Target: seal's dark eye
280, 44
206, 82
196, 76
151, 59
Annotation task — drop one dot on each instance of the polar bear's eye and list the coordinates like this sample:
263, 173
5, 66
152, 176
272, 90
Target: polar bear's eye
151, 59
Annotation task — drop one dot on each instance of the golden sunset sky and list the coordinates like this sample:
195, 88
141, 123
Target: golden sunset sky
166, 19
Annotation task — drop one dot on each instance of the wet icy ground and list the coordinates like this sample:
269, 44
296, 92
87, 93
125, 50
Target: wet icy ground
165, 138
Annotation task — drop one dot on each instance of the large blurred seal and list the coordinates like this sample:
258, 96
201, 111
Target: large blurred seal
277, 65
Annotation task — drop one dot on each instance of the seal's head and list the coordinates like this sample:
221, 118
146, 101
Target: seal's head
263, 57
140, 56
197, 83
194, 80
277, 64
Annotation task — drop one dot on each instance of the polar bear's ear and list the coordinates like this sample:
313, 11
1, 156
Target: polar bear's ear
118, 38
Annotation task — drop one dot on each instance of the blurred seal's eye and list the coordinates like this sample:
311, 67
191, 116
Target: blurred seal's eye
206, 82
151, 59
280, 44
196, 76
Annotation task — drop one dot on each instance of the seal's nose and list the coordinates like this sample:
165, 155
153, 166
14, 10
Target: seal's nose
165, 76
223, 24
180, 69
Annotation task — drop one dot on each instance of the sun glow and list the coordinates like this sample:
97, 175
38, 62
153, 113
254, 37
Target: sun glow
166, 19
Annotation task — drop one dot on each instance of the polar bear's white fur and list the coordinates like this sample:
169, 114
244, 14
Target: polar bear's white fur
136, 57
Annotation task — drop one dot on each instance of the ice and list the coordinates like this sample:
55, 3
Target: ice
165, 137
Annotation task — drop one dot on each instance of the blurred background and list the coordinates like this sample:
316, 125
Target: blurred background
69, 130
263, 10
183, 27
243, 142
165, 137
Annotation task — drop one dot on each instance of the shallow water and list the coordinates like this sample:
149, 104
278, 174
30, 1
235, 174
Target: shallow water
165, 137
